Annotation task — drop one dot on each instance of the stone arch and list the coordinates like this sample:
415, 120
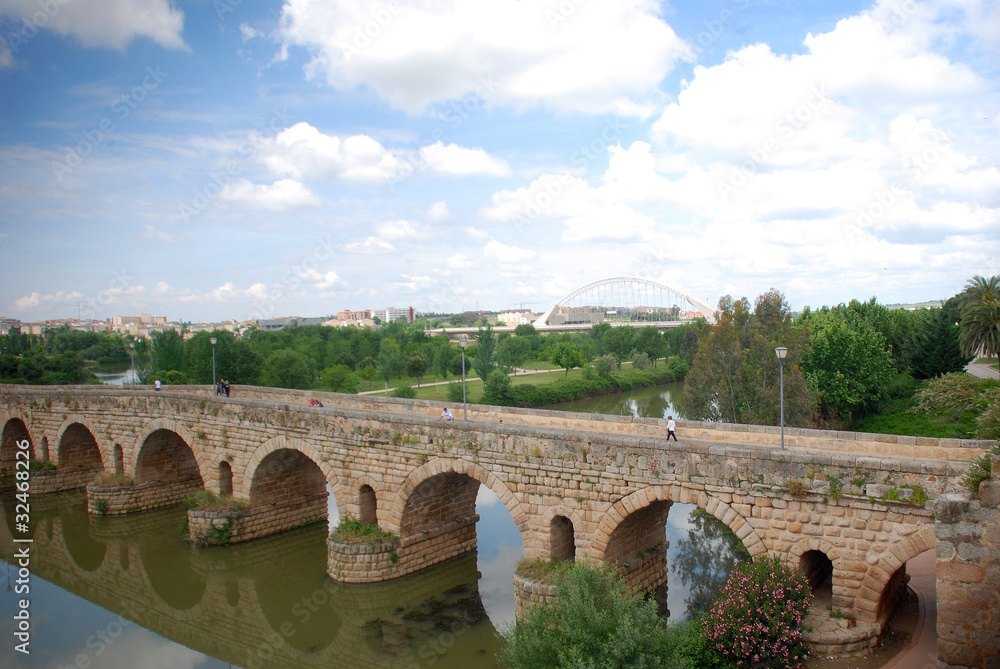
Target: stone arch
43, 453
119, 459
437, 466
281, 442
868, 603
645, 497
799, 555
225, 478
170, 425
165, 456
78, 447
355, 497
14, 431
547, 518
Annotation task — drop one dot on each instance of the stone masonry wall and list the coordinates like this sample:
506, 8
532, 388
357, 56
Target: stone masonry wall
208, 527
117, 500
968, 577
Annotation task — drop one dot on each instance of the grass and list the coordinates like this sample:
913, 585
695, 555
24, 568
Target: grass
539, 570
353, 531
110, 480
897, 419
204, 500
474, 385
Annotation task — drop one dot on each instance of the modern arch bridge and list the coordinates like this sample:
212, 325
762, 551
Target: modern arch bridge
625, 299
849, 508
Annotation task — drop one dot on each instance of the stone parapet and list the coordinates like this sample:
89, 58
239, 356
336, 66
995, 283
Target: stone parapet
530, 592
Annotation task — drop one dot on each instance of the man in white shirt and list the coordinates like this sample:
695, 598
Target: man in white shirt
446, 414
671, 427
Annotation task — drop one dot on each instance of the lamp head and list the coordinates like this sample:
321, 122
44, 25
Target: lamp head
213, 340
781, 352
463, 342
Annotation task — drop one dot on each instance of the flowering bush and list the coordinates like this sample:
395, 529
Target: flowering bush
757, 619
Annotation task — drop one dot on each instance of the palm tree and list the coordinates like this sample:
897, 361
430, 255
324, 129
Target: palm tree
980, 313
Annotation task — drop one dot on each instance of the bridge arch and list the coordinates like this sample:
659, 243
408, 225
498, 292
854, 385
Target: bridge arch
14, 429
629, 291
421, 476
131, 455
78, 446
646, 497
870, 600
559, 527
244, 485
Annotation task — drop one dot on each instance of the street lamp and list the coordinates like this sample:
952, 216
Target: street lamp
781, 352
131, 346
213, 340
463, 342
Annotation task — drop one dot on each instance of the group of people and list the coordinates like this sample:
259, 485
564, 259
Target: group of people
315, 403
222, 388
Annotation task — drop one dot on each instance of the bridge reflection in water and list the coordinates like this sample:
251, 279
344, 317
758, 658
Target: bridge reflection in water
267, 603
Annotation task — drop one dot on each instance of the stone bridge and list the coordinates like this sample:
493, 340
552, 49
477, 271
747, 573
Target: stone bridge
849, 508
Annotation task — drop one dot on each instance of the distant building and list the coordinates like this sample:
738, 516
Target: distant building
392, 314
361, 315
515, 317
271, 324
691, 315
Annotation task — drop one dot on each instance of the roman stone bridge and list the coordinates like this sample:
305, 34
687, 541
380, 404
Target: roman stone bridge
849, 508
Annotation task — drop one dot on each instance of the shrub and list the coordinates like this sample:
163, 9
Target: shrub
595, 621
353, 531
110, 480
757, 620
204, 500
989, 420
41, 465
453, 391
405, 390
497, 389
953, 394
979, 470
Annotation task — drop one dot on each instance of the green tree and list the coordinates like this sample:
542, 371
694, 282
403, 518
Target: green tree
568, 356
525, 330
595, 621
168, 350
389, 359
334, 377
497, 389
937, 348
648, 340
486, 343
416, 366
618, 341
287, 369
847, 368
981, 329
736, 378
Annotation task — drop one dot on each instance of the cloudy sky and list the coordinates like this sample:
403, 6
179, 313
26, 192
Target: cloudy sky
251, 158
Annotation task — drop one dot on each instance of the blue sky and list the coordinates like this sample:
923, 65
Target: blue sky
238, 159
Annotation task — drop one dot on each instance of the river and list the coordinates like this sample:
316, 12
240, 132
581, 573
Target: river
128, 592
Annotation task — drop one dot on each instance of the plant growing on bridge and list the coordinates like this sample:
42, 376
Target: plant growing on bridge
757, 620
111, 479
353, 531
980, 469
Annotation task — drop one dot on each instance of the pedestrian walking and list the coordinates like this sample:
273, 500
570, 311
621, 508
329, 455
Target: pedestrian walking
671, 428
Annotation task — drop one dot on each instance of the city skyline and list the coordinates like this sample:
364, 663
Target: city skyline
233, 160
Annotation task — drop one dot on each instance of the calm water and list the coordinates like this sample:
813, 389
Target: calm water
127, 592
654, 402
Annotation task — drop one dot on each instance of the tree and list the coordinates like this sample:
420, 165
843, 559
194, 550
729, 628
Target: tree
736, 378
168, 350
979, 305
287, 369
486, 343
648, 340
618, 341
442, 359
595, 621
936, 346
497, 389
525, 330
334, 377
389, 359
847, 368
568, 356
416, 365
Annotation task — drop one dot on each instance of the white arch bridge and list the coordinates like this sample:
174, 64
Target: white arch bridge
625, 299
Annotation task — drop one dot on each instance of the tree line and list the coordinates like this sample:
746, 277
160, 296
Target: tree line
844, 363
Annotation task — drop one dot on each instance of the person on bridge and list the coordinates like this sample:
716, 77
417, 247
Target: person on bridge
671, 428
446, 414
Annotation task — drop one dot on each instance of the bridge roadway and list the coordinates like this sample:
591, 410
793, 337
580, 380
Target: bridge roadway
849, 508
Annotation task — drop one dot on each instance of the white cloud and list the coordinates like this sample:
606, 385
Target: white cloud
103, 23
438, 211
6, 57
321, 280
150, 233
458, 261
397, 230
372, 245
507, 254
452, 159
523, 54
282, 195
304, 152
34, 299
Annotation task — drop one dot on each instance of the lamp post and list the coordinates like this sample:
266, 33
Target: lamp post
131, 346
213, 340
463, 342
781, 352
